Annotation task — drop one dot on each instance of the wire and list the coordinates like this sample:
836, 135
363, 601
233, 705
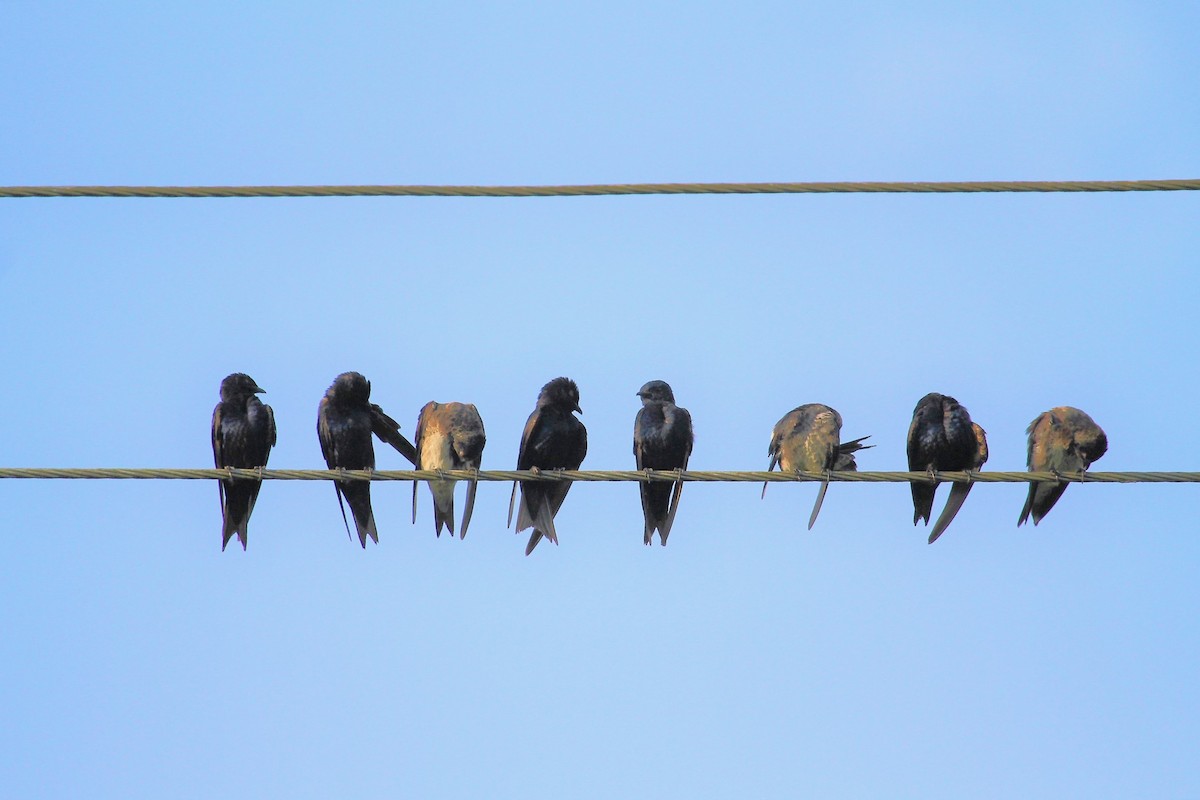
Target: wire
591, 476
927, 187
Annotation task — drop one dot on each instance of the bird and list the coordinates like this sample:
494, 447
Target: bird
662, 439
243, 433
553, 439
1061, 440
807, 439
449, 436
346, 418
942, 437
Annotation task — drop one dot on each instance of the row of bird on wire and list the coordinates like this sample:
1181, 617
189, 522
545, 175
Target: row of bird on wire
450, 436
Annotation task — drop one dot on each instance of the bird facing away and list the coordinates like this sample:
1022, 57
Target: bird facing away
662, 439
346, 418
243, 433
553, 439
1062, 440
449, 436
807, 439
942, 437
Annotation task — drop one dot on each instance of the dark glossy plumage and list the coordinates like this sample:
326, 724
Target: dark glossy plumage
553, 439
449, 436
346, 419
942, 438
662, 439
808, 439
1062, 440
243, 433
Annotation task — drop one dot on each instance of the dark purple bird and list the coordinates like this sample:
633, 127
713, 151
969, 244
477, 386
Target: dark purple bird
662, 439
942, 438
346, 418
243, 433
553, 439
449, 436
1062, 440
808, 439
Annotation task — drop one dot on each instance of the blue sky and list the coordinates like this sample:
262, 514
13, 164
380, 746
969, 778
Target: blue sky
750, 657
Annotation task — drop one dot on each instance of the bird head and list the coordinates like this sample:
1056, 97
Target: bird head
238, 385
350, 389
656, 392
560, 393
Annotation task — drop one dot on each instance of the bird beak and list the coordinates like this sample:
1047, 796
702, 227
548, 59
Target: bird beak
259, 390
577, 408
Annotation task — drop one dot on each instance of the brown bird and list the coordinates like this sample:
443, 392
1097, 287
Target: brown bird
346, 418
942, 438
243, 433
1061, 440
807, 439
449, 436
553, 439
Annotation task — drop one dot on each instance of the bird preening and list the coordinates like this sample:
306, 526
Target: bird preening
808, 439
449, 436
346, 420
942, 437
1061, 440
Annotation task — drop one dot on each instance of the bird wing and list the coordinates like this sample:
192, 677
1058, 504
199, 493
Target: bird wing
217, 437
525, 455
388, 430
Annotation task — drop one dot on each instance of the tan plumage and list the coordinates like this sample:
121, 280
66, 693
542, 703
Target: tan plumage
808, 439
449, 436
1062, 440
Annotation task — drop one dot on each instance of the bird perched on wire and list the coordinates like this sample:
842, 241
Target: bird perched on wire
808, 439
1061, 440
553, 439
942, 438
346, 419
243, 433
662, 439
449, 436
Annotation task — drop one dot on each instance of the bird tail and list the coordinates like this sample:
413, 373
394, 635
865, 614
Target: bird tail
664, 526
958, 493
844, 460
443, 505
468, 507
358, 497
543, 523
1042, 497
238, 503
922, 495
1028, 505
657, 510
812, 519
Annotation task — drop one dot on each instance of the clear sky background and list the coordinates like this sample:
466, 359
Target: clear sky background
749, 658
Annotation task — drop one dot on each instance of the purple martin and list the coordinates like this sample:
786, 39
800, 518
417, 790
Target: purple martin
662, 439
553, 439
807, 439
243, 433
1061, 440
346, 418
449, 436
942, 438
